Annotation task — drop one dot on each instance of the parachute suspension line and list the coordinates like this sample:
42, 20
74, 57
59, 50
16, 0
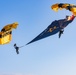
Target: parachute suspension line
22, 46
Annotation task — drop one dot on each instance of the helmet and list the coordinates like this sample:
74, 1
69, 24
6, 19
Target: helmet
15, 44
68, 17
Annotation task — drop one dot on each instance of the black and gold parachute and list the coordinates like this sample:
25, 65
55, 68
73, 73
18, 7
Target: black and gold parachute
6, 33
70, 7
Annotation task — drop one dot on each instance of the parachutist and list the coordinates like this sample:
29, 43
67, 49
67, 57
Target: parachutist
17, 48
60, 33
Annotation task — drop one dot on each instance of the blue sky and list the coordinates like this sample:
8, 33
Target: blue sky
49, 56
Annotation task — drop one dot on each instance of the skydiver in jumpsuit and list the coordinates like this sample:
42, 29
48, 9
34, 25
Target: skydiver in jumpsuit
17, 48
64, 22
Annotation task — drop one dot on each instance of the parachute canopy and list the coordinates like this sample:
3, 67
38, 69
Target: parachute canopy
9, 27
70, 7
6, 33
